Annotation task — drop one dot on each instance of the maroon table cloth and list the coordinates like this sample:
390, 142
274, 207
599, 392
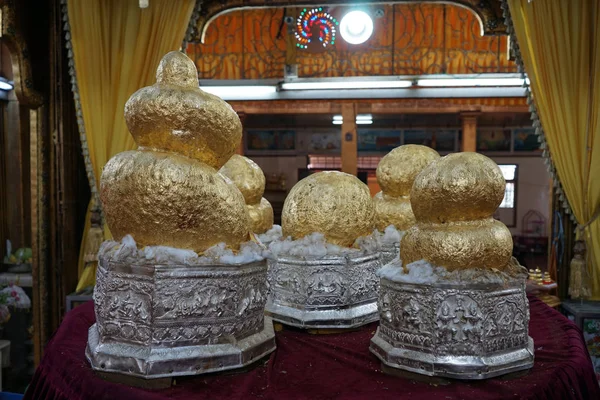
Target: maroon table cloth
337, 366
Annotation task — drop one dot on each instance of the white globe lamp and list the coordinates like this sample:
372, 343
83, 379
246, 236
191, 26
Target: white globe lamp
356, 27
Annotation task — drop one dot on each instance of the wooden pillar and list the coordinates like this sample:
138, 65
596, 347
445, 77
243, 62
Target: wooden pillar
349, 140
469, 131
240, 148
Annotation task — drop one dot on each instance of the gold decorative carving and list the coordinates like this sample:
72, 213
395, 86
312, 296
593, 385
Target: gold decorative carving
20, 57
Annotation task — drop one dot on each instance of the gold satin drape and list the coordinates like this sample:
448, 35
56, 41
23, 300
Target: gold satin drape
116, 49
560, 46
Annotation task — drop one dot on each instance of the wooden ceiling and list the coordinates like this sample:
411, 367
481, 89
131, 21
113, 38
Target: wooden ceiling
489, 12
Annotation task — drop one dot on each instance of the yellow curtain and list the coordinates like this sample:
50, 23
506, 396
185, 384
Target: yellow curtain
116, 48
560, 47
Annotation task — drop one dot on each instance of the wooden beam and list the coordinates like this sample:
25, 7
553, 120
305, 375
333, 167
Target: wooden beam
349, 142
376, 106
469, 132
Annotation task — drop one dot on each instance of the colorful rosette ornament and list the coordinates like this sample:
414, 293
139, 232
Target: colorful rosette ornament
305, 28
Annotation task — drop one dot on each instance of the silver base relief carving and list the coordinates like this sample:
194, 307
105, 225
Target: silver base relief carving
156, 321
389, 253
332, 292
454, 330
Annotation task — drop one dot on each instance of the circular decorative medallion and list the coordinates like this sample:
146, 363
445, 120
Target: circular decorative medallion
315, 18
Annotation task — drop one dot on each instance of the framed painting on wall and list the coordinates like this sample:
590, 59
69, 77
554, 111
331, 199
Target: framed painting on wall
496, 139
381, 141
270, 140
525, 139
418, 136
327, 142
444, 140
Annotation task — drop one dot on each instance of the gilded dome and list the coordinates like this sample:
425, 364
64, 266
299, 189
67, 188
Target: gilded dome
165, 199
398, 169
261, 216
484, 243
333, 203
458, 187
247, 176
390, 210
176, 115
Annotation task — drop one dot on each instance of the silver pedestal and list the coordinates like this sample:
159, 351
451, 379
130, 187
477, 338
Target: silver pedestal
333, 292
454, 330
156, 321
389, 253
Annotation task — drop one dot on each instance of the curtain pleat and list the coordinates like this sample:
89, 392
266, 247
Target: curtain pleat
116, 48
560, 46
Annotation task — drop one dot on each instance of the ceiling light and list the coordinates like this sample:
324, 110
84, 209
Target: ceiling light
239, 92
470, 82
356, 27
361, 119
346, 84
6, 85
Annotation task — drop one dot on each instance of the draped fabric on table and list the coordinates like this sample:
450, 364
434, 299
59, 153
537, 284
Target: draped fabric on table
116, 48
560, 47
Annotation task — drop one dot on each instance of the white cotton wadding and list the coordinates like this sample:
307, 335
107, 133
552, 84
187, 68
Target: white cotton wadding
423, 272
391, 236
310, 246
275, 233
169, 255
418, 272
249, 252
127, 251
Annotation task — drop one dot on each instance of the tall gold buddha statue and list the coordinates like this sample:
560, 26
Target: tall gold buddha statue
333, 203
168, 192
453, 201
250, 180
396, 173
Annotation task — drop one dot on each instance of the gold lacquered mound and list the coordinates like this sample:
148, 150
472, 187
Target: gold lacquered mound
261, 216
247, 176
458, 187
390, 210
176, 115
468, 244
453, 201
398, 169
336, 204
165, 199
250, 180
396, 173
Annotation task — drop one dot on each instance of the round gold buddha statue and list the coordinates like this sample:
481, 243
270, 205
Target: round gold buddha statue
250, 180
396, 173
453, 201
168, 192
333, 203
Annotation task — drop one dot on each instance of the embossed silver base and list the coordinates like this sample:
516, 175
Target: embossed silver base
158, 362
389, 253
333, 292
155, 321
454, 330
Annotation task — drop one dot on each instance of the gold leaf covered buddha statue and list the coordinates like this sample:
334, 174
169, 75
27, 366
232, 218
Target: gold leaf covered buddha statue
453, 201
168, 192
250, 180
333, 203
396, 173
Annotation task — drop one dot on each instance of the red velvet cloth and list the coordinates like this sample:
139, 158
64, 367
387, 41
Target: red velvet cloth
335, 366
